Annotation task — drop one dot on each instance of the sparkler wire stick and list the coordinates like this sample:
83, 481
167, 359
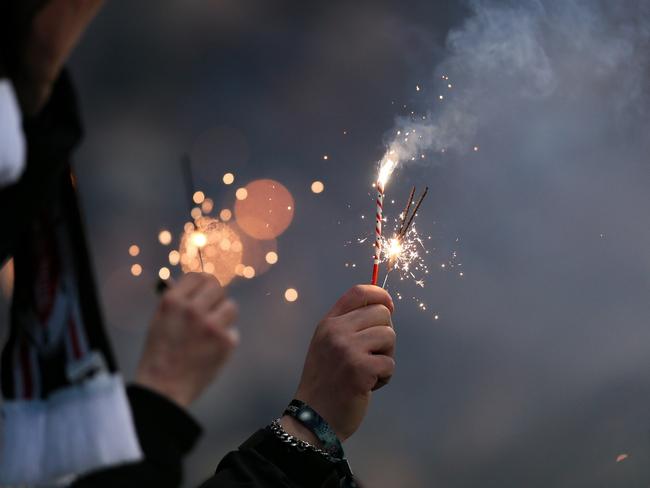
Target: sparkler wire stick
378, 219
406, 211
189, 188
385, 280
415, 210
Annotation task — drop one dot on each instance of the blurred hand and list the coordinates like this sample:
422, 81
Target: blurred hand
350, 355
190, 338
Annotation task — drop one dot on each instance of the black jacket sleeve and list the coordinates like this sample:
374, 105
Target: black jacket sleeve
265, 461
166, 434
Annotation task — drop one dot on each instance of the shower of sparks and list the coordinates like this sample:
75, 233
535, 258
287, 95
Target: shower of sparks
405, 255
411, 261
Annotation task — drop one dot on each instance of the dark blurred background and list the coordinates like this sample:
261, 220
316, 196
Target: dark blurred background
535, 371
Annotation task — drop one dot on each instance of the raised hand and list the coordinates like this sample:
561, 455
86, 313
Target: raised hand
350, 355
190, 338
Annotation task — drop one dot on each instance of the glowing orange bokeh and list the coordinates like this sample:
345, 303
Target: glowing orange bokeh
267, 210
291, 295
255, 251
220, 249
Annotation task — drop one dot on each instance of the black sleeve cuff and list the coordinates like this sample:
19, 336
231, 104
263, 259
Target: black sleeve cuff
166, 433
304, 468
161, 424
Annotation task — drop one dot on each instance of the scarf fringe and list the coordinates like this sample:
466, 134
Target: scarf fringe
75, 430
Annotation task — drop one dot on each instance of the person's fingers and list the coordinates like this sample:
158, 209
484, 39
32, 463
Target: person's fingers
190, 283
224, 315
361, 296
365, 317
377, 340
233, 335
208, 296
383, 368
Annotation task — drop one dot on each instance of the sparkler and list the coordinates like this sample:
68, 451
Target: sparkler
198, 237
400, 247
385, 170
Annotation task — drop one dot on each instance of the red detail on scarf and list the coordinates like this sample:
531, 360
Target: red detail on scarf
74, 338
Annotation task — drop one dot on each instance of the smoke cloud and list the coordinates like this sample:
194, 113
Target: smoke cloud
511, 57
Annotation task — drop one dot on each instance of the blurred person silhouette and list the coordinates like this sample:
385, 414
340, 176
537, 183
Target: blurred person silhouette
350, 356
65, 408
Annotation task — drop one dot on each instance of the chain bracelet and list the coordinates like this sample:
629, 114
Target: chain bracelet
299, 444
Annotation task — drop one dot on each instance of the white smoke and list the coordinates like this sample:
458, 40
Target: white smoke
507, 56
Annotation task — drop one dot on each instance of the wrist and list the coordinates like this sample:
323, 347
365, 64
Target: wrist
159, 384
311, 420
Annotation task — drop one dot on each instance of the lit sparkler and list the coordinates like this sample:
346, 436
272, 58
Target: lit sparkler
386, 168
400, 250
198, 238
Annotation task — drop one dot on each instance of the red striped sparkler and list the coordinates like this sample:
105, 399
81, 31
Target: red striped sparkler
385, 170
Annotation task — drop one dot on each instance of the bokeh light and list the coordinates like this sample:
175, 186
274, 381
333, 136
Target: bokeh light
248, 272
134, 250
271, 257
241, 194
198, 239
164, 273
207, 206
174, 257
165, 237
267, 211
214, 244
317, 187
198, 197
196, 213
228, 178
225, 215
255, 250
136, 270
291, 295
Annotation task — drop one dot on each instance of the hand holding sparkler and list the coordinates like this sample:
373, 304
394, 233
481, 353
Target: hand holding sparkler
190, 338
350, 355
